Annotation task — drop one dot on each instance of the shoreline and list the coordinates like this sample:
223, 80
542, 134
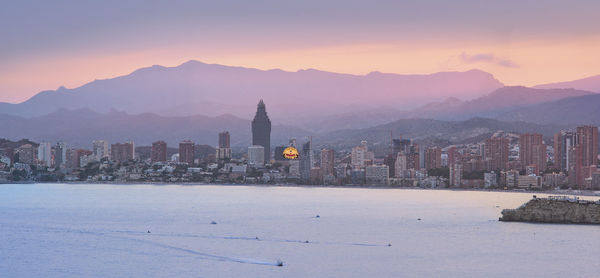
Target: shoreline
589, 193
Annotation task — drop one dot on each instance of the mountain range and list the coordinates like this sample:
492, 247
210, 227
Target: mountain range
196, 88
591, 83
197, 100
429, 132
79, 127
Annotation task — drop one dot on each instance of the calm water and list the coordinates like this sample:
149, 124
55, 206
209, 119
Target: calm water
56, 230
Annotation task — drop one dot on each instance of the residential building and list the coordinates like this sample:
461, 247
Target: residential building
256, 155
186, 152
122, 152
223, 152
159, 151
433, 158
45, 154
496, 150
532, 151
100, 149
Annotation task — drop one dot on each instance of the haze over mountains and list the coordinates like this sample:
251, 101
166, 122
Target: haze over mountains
80, 127
197, 88
591, 83
433, 132
197, 100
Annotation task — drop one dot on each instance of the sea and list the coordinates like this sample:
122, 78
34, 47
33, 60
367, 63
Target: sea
144, 230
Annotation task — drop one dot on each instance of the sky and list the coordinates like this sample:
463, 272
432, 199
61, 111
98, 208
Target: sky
47, 44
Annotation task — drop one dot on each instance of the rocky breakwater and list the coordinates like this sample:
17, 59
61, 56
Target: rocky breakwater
555, 209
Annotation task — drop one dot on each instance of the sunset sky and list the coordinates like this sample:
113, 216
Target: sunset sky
46, 44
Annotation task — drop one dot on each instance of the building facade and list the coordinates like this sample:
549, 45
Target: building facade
256, 155
433, 158
186, 152
224, 148
122, 152
327, 162
261, 130
159, 151
496, 150
532, 151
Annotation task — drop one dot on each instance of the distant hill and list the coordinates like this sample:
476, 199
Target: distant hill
569, 111
80, 127
496, 103
591, 83
208, 89
492, 105
432, 132
5, 143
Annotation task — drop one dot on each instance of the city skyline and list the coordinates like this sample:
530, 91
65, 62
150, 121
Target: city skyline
341, 138
470, 165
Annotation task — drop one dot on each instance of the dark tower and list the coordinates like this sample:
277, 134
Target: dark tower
261, 130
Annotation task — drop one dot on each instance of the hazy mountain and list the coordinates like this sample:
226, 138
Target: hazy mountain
80, 127
569, 111
431, 132
197, 88
491, 105
349, 120
496, 103
591, 83
4, 143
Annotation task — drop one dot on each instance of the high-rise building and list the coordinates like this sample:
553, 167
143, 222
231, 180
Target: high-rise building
327, 162
306, 161
45, 154
454, 155
100, 149
359, 155
224, 148
186, 152
496, 150
587, 138
455, 178
390, 161
583, 155
563, 142
159, 151
60, 154
433, 158
295, 168
532, 151
122, 152
256, 155
401, 166
224, 140
74, 157
261, 130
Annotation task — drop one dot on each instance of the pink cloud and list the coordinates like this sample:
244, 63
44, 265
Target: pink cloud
487, 58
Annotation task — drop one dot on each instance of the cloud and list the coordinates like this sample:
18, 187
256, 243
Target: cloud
487, 58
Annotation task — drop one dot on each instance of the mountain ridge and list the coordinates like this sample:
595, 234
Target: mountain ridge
173, 90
